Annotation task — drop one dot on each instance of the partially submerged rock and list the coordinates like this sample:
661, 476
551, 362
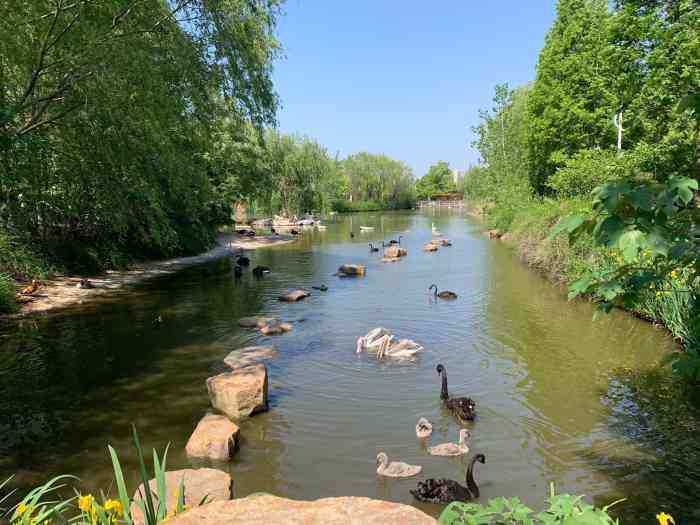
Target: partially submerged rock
391, 259
215, 437
276, 328
394, 252
254, 322
240, 393
254, 510
216, 485
494, 234
445, 242
294, 296
249, 355
430, 247
351, 270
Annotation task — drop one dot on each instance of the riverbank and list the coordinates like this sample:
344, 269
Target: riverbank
63, 291
527, 232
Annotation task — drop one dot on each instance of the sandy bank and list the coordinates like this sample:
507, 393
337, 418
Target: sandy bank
63, 291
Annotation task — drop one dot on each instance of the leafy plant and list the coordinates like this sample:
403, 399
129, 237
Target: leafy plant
41, 505
562, 509
7, 294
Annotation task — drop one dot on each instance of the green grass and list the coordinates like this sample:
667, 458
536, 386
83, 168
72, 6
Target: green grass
7, 294
19, 261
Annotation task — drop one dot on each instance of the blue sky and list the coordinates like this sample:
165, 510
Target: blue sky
404, 78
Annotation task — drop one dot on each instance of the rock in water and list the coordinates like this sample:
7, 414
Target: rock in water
250, 355
254, 510
276, 328
394, 252
240, 393
254, 322
430, 247
296, 295
216, 437
214, 484
348, 270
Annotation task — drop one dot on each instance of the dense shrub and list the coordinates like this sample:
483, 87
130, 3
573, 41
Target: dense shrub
588, 169
7, 294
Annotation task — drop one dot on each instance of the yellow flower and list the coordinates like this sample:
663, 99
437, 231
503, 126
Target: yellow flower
85, 502
658, 294
115, 506
22, 508
674, 274
665, 519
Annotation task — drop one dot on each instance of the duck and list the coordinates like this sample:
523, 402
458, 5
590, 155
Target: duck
322, 288
395, 469
158, 321
258, 271
31, 289
352, 235
242, 261
452, 449
237, 272
395, 241
461, 407
424, 428
445, 294
372, 248
446, 490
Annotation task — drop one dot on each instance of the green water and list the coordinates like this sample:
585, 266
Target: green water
560, 397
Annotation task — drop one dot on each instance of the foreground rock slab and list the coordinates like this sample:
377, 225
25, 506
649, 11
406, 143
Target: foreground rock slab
215, 437
294, 296
240, 393
350, 270
265, 509
249, 355
214, 484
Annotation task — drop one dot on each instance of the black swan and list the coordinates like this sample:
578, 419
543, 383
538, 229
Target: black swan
258, 271
394, 241
352, 235
446, 490
323, 288
372, 248
461, 407
242, 261
445, 294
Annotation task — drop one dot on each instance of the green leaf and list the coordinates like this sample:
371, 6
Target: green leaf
568, 223
630, 243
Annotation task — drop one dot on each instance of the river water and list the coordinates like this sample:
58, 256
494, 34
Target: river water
560, 397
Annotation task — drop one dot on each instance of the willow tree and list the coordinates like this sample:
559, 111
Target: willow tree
107, 113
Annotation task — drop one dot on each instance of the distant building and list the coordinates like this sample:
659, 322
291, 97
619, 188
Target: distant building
457, 175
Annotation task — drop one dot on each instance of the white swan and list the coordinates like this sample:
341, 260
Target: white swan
452, 449
395, 469
401, 348
424, 428
373, 340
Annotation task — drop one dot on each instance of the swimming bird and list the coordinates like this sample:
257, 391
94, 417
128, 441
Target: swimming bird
31, 289
352, 235
372, 340
461, 407
323, 288
158, 321
395, 469
372, 248
399, 349
452, 449
258, 271
424, 428
237, 272
446, 490
445, 294
395, 241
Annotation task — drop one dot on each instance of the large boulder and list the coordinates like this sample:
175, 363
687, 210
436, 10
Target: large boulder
430, 247
394, 251
214, 484
350, 270
254, 322
240, 393
215, 437
264, 509
249, 355
294, 296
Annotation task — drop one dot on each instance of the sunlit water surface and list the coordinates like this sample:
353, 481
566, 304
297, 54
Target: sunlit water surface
560, 397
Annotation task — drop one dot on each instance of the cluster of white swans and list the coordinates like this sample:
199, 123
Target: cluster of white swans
379, 340
398, 469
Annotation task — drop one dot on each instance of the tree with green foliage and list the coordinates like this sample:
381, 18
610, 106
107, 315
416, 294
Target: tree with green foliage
439, 179
573, 99
377, 180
